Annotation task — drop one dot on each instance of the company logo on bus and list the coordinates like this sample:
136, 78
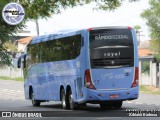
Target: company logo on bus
109, 37
112, 54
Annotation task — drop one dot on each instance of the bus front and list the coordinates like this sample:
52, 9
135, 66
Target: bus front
113, 73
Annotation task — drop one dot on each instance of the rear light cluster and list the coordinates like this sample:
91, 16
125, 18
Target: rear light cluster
136, 78
129, 28
88, 81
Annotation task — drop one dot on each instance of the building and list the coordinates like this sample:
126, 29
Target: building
23, 42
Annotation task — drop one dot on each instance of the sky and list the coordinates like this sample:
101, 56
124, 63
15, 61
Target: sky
85, 17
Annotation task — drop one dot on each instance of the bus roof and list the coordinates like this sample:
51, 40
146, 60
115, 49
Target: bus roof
70, 32
60, 34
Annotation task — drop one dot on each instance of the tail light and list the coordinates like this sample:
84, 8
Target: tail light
136, 78
129, 28
89, 29
88, 81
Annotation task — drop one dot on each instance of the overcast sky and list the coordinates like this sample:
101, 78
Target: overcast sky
85, 17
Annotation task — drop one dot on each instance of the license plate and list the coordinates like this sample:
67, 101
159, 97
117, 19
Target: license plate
112, 96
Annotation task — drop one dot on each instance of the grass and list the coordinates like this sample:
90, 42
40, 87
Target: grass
9, 78
149, 90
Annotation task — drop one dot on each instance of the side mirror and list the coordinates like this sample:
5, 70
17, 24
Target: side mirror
21, 63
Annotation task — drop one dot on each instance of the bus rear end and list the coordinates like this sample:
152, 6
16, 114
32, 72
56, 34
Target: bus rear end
113, 73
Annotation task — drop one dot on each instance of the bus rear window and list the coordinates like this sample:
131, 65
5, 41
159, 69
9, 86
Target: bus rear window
111, 48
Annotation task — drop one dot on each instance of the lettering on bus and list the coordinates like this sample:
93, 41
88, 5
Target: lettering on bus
112, 54
112, 76
60, 67
109, 37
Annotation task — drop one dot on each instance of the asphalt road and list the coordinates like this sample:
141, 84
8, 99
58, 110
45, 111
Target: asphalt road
12, 99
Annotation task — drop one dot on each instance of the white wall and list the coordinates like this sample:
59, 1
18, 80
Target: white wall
10, 72
21, 47
150, 79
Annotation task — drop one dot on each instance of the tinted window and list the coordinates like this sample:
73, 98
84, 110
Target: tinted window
55, 50
111, 47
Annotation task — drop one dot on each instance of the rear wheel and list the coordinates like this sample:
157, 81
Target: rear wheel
117, 104
110, 104
82, 105
72, 104
34, 102
63, 99
105, 105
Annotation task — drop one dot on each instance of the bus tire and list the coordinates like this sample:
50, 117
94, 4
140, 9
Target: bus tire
106, 105
103, 105
83, 105
72, 104
34, 102
118, 104
63, 99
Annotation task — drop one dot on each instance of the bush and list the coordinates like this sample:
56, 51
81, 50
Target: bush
145, 67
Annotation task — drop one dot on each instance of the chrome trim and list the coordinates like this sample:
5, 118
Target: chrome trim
110, 27
113, 89
117, 46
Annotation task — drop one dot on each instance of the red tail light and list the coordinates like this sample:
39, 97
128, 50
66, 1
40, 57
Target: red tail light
129, 28
136, 78
88, 81
89, 29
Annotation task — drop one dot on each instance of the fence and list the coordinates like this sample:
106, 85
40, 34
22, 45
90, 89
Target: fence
12, 72
151, 79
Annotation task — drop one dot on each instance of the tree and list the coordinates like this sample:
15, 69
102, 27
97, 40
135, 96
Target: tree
9, 46
151, 15
137, 29
36, 9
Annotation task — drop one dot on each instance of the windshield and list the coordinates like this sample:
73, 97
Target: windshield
111, 48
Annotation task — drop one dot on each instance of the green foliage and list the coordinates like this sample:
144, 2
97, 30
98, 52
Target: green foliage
145, 67
9, 78
151, 15
137, 28
157, 57
9, 46
149, 90
5, 57
155, 47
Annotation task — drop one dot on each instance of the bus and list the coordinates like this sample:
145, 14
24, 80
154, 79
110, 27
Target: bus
96, 65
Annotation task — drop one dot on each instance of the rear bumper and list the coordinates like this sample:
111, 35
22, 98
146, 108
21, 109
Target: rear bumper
92, 96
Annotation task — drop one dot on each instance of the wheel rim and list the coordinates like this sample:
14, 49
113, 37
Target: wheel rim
71, 101
63, 100
33, 100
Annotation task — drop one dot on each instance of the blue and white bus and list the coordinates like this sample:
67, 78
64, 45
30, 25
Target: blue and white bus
95, 65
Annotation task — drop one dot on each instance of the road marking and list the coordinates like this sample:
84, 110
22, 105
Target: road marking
4, 89
139, 103
6, 83
129, 102
10, 94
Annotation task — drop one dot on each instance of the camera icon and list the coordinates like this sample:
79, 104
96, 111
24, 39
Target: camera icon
6, 114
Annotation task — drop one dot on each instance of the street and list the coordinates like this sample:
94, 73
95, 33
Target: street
12, 99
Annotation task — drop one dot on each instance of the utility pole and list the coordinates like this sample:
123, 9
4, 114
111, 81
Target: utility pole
138, 33
37, 26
